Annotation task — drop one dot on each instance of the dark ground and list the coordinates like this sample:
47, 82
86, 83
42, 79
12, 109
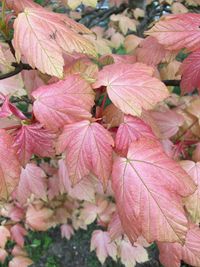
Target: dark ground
76, 253
48, 249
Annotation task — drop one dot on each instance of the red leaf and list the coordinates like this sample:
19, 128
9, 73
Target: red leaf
63, 102
88, 148
9, 166
190, 70
148, 187
33, 139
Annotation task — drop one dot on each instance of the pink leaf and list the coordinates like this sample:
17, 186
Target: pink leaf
130, 254
148, 187
131, 130
171, 254
84, 190
13, 212
31, 80
131, 87
63, 102
3, 255
177, 31
42, 36
88, 148
168, 122
66, 231
4, 236
54, 187
115, 228
151, 52
192, 202
20, 5
12, 86
103, 245
20, 261
18, 232
127, 59
9, 166
102, 210
32, 139
39, 219
18, 251
32, 181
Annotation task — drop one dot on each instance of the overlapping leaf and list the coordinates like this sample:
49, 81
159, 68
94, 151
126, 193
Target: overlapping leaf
131, 130
131, 254
131, 87
33, 139
88, 148
104, 246
32, 181
42, 36
84, 190
63, 102
148, 187
151, 52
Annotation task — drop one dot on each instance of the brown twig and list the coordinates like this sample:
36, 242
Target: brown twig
21, 99
101, 15
18, 68
172, 82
